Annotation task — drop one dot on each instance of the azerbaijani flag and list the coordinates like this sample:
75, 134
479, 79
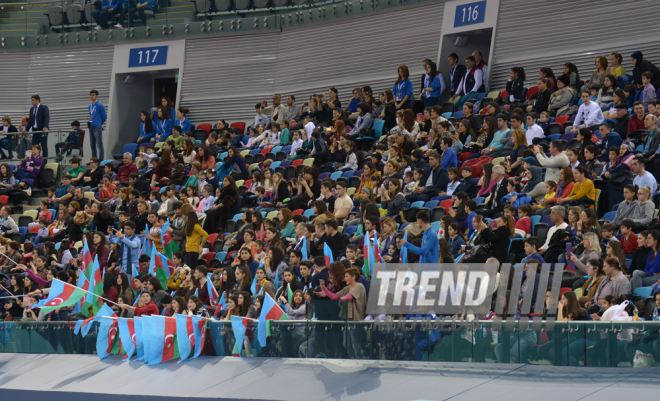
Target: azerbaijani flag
108, 341
83, 326
210, 288
327, 253
303, 249
403, 255
372, 255
366, 252
146, 244
160, 266
128, 336
61, 294
185, 336
289, 293
199, 329
160, 339
269, 311
139, 339
84, 278
169, 246
254, 286
239, 325
97, 287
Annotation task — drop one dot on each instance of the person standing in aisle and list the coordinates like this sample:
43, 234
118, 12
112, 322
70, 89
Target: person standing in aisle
96, 124
39, 121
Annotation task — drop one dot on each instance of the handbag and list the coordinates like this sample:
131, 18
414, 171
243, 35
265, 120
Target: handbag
477, 253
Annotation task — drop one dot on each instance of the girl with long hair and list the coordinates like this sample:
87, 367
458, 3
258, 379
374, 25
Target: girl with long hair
264, 285
243, 279
147, 131
195, 238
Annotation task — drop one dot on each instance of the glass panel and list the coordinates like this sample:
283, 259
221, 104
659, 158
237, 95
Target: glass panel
637, 344
621, 344
288, 339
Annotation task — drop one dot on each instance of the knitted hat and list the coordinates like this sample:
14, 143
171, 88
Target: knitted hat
621, 106
564, 80
637, 56
418, 154
529, 160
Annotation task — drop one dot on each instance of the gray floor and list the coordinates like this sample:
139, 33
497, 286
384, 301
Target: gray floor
73, 377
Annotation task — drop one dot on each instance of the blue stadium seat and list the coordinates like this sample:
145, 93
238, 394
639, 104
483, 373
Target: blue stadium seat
431, 204
609, 216
275, 165
23, 231
336, 175
308, 212
418, 204
349, 174
644, 292
479, 200
378, 128
350, 230
237, 217
535, 220
458, 114
221, 255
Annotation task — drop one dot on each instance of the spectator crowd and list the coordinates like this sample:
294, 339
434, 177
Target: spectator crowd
552, 169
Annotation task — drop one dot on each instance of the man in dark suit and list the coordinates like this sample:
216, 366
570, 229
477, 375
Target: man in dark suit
39, 121
494, 204
435, 179
456, 72
7, 141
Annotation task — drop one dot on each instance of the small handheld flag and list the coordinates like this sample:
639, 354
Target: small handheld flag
327, 253
269, 311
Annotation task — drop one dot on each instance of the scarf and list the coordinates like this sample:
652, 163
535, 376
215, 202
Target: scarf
561, 91
537, 177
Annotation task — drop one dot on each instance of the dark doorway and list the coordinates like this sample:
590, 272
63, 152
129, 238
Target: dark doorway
165, 87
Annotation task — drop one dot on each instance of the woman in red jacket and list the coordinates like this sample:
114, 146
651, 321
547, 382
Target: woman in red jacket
145, 306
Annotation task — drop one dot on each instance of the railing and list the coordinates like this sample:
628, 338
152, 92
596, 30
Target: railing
48, 24
604, 344
16, 146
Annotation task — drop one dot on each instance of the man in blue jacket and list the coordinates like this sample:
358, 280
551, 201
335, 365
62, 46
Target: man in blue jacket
96, 124
108, 9
429, 251
435, 179
449, 158
130, 247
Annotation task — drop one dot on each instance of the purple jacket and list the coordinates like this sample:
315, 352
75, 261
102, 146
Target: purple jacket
33, 165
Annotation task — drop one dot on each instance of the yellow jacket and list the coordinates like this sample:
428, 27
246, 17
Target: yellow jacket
195, 240
585, 189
